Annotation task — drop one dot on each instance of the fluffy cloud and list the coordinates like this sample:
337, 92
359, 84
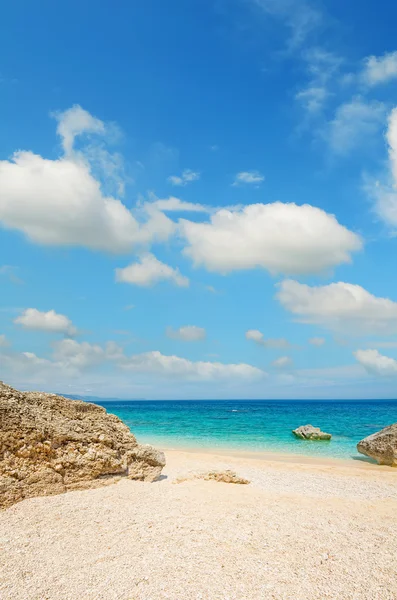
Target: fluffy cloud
188, 333
354, 122
187, 177
248, 177
149, 271
317, 341
257, 336
376, 364
174, 366
82, 355
342, 307
34, 319
60, 202
173, 204
380, 69
282, 238
284, 362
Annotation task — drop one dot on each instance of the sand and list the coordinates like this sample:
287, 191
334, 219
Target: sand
302, 529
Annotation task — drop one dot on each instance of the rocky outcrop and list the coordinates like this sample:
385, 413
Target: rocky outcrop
382, 446
50, 444
308, 432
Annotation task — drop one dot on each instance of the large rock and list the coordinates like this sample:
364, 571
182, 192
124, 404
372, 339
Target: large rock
308, 432
382, 446
50, 444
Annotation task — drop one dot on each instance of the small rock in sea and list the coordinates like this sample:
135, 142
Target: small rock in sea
382, 446
308, 432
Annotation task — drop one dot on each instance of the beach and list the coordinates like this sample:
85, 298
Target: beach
303, 528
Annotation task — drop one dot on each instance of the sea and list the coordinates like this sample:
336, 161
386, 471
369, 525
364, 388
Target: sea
253, 425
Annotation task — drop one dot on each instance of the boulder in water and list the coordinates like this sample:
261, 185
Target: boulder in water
50, 444
382, 446
308, 432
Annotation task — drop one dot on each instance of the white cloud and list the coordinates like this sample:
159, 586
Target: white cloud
82, 355
149, 271
248, 177
385, 194
76, 121
282, 238
354, 123
34, 319
174, 366
188, 333
284, 362
317, 341
342, 307
377, 364
60, 202
173, 204
257, 336
187, 177
380, 69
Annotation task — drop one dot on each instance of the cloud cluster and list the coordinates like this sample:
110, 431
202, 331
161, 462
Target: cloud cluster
188, 333
281, 238
187, 177
60, 202
174, 366
50, 321
376, 363
73, 357
341, 307
275, 343
149, 271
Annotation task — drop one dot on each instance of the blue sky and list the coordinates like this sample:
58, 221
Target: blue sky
198, 199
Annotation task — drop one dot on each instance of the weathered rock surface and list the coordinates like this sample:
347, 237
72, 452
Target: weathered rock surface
225, 477
308, 432
382, 446
50, 444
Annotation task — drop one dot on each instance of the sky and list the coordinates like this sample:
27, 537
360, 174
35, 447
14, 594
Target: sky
199, 199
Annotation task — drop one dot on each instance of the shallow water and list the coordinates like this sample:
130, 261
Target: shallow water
255, 425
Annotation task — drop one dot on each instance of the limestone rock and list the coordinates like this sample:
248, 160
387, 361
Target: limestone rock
225, 477
382, 446
308, 432
50, 444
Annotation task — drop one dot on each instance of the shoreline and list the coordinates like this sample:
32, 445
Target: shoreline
278, 457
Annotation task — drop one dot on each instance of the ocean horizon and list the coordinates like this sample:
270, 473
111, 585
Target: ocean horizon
253, 425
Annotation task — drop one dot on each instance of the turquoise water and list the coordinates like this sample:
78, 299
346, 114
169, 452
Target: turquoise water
261, 425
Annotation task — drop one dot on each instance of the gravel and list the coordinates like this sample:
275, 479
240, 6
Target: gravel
297, 531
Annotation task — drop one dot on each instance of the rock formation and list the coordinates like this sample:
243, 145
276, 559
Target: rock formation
308, 432
382, 446
50, 444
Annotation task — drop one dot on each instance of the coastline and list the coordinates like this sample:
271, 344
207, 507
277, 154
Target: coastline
268, 457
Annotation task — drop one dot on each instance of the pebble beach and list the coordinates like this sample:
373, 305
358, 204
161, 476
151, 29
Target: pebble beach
303, 528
